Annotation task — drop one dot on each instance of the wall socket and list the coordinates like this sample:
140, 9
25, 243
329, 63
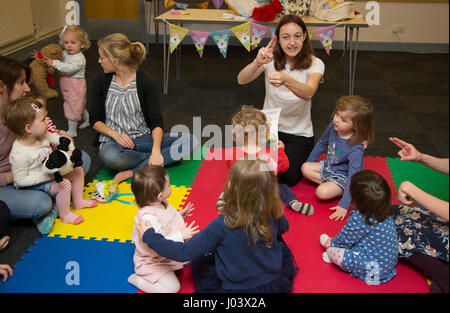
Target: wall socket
398, 28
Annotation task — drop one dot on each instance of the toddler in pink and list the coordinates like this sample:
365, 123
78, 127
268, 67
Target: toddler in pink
154, 273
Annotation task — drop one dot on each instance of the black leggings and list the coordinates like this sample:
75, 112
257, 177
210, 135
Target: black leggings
4, 216
297, 149
436, 270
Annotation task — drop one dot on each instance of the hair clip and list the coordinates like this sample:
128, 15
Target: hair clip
35, 107
63, 30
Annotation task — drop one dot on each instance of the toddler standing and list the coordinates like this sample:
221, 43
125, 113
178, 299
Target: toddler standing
153, 273
343, 142
72, 81
30, 149
367, 246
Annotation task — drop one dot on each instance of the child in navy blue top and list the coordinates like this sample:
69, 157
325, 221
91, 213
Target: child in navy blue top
343, 142
367, 246
242, 249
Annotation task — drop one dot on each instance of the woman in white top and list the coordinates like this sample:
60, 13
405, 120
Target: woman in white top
292, 76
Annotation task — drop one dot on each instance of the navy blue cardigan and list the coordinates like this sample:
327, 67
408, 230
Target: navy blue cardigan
239, 263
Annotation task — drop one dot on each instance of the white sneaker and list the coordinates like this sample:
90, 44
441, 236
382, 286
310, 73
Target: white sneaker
326, 258
323, 239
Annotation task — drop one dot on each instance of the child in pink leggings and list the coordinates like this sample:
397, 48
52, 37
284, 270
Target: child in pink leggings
30, 150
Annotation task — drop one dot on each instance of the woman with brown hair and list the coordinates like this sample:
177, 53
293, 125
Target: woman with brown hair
14, 78
292, 75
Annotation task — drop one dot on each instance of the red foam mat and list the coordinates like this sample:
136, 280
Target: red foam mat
314, 275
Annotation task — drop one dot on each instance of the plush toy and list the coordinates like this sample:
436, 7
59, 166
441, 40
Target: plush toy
105, 191
59, 162
41, 74
268, 12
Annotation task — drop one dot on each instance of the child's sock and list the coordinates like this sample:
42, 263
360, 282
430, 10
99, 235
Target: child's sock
326, 258
302, 208
323, 239
121, 176
77, 178
71, 218
85, 119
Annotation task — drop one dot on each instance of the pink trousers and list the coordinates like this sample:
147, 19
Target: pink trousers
74, 94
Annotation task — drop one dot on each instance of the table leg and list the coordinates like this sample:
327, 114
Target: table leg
354, 60
165, 57
167, 69
178, 61
345, 57
156, 10
350, 67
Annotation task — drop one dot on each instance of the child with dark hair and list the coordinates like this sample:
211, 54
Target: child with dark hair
367, 246
153, 273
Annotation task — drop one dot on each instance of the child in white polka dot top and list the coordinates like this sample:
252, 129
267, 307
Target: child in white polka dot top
367, 246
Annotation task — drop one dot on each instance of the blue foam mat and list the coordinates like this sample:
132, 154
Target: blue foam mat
66, 265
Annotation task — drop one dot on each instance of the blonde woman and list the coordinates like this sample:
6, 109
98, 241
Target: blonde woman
125, 112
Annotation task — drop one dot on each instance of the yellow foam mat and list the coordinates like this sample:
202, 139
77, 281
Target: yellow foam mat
113, 221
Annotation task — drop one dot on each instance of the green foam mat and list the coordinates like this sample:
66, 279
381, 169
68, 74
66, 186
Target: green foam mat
181, 173
427, 179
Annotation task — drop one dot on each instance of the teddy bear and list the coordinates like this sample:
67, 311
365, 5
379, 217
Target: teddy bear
59, 162
40, 72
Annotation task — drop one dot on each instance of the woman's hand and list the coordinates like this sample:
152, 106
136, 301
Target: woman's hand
404, 195
340, 213
122, 139
408, 152
265, 55
277, 79
156, 158
189, 230
187, 210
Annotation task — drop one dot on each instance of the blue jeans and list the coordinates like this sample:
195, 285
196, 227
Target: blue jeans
25, 203
173, 149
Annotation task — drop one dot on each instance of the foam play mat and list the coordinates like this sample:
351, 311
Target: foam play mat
100, 248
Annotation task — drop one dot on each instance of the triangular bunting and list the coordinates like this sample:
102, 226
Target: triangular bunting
221, 38
258, 32
310, 34
218, 3
182, 6
242, 32
203, 5
177, 34
272, 31
168, 3
325, 36
199, 38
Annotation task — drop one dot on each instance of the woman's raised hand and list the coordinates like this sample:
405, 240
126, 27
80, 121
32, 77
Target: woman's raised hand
265, 54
